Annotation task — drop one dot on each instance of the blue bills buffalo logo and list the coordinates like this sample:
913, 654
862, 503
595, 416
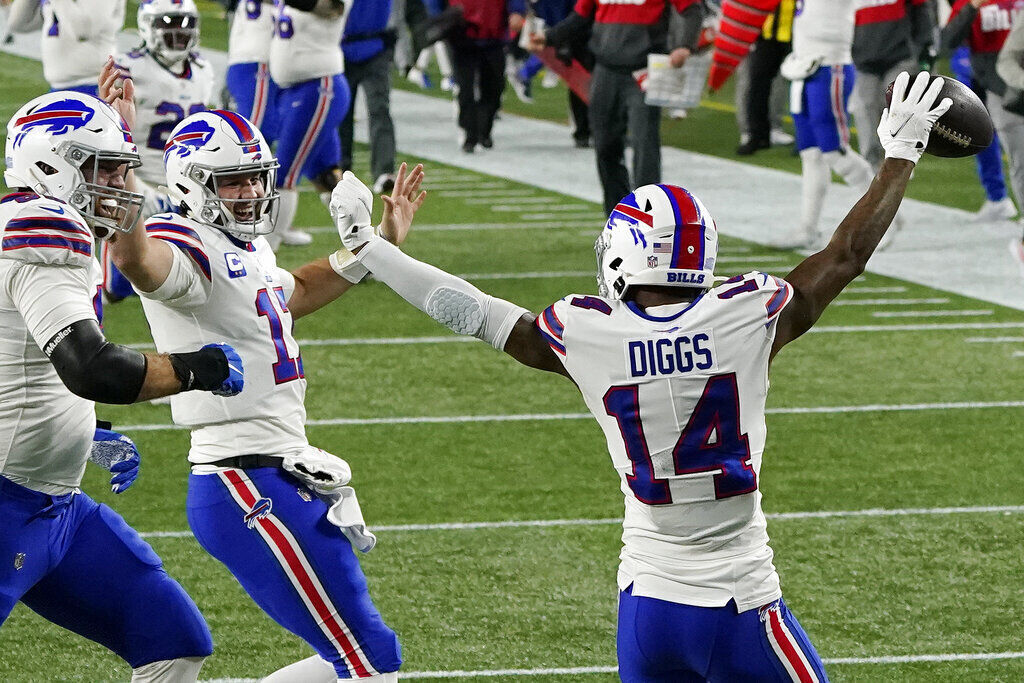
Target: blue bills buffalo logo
260, 509
188, 139
58, 118
19, 561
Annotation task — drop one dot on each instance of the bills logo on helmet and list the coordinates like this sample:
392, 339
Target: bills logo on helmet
59, 118
188, 139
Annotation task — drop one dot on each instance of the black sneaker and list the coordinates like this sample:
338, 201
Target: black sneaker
487, 142
468, 147
581, 143
751, 146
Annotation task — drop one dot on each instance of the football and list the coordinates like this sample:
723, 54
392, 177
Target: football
965, 129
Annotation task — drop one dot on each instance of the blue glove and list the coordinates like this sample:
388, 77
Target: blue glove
232, 386
116, 453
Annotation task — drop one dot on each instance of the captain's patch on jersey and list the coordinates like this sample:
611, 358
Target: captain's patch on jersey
671, 354
236, 268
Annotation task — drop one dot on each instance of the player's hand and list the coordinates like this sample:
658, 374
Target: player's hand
232, 386
351, 206
117, 89
117, 453
537, 43
515, 22
907, 123
405, 200
678, 56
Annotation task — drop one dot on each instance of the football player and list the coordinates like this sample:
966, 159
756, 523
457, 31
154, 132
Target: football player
674, 367
258, 492
248, 77
76, 563
171, 81
77, 36
306, 62
821, 69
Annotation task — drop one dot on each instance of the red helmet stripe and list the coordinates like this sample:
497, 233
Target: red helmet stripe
635, 213
688, 242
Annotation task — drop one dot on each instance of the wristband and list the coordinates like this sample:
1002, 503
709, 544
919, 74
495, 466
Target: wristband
205, 369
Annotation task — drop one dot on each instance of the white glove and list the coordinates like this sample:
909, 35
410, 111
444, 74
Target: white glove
318, 469
351, 207
907, 123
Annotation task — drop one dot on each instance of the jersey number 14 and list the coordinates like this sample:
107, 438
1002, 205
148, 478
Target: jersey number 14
710, 442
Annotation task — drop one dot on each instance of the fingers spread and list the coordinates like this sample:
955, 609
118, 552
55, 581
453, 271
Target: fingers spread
899, 87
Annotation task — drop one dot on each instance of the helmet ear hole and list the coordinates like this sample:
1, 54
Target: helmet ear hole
45, 168
614, 265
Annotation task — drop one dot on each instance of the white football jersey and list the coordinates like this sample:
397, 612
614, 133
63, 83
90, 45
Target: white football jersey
77, 38
162, 100
680, 393
251, 31
305, 46
224, 290
823, 29
49, 279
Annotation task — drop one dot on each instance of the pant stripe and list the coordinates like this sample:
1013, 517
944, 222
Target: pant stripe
302, 576
787, 649
323, 104
838, 110
259, 105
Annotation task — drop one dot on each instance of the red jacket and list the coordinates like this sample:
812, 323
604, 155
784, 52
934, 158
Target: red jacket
487, 20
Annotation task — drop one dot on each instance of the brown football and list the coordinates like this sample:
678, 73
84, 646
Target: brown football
965, 129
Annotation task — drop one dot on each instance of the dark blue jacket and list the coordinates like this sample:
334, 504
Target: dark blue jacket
368, 23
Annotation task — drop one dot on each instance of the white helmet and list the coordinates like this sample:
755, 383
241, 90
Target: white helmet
657, 235
169, 28
51, 139
206, 147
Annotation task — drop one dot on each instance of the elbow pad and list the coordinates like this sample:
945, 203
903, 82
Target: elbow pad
94, 368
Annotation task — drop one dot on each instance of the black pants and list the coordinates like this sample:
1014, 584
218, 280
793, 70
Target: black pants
480, 75
765, 60
374, 76
580, 114
617, 113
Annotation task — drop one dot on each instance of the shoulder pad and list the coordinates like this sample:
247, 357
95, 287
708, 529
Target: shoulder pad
181, 233
773, 292
44, 231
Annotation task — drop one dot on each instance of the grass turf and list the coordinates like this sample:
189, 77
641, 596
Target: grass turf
545, 597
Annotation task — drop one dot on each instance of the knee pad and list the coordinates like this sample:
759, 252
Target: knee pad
183, 670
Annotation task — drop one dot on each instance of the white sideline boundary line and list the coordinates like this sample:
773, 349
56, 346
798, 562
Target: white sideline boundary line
888, 302
547, 417
608, 521
994, 340
929, 314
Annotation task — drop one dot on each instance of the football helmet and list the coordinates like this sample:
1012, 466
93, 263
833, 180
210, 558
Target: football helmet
169, 28
55, 146
657, 235
201, 152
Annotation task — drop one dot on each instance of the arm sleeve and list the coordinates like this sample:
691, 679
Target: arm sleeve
94, 368
50, 298
959, 25
686, 30
287, 280
565, 31
1008, 66
185, 285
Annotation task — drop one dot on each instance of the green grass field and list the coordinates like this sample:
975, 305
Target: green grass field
486, 598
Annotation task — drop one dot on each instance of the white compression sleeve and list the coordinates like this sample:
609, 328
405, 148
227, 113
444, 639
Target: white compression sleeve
449, 300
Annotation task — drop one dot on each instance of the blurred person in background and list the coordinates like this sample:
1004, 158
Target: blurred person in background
889, 36
438, 51
478, 57
248, 78
306, 62
77, 36
622, 35
368, 46
756, 111
1010, 67
997, 206
983, 25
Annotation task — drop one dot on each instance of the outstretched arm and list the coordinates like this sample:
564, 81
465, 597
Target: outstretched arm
144, 261
821, 277
449, 300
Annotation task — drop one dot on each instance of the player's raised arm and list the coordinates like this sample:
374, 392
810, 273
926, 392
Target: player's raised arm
820, 278
449, 300
320, 282
144, 261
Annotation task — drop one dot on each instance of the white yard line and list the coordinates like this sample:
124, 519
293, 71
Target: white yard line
929, 314
888, 302
607, 521
874, 290
579, 208
466, 185
994, 340
521, 201
568, 216
556, 417
516, 192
